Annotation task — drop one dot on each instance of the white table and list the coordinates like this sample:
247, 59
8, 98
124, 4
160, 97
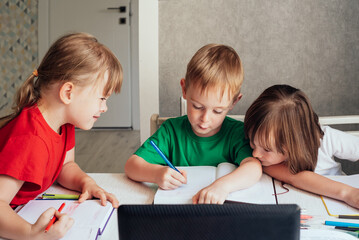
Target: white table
127, 192
130, 192
310, 204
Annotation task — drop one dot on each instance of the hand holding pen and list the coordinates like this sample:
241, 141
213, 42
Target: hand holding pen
164, 157
46, 228
54, 218
169, 179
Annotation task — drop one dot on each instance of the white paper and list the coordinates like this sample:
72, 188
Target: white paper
337, 207
259, 193
89, 216
321, 234
199, 177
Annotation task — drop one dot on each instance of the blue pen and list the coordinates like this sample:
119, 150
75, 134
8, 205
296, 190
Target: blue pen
164, 157
341, 224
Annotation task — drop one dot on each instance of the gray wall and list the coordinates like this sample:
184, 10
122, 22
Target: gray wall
310, 44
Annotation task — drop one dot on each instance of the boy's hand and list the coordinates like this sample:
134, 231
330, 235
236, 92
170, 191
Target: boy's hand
91, 189
168, 178
213, 194
56, 231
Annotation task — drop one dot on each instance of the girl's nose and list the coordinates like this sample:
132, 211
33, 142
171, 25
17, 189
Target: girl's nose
256, 153
103, 107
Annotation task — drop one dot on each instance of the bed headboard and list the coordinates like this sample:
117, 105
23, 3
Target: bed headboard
156, 120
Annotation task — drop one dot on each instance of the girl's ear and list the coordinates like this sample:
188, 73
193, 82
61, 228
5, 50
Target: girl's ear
66, 92
183, 86
236, 100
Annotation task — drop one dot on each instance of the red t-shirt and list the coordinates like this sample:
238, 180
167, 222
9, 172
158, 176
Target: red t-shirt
32, 152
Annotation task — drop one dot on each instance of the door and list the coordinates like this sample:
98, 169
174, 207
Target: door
109, 22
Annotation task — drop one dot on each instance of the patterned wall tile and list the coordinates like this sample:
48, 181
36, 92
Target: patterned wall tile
18, 47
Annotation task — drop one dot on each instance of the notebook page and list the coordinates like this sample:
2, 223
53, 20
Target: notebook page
80, 234
87, 215
224, 168
260, 193
198, 177
324, 234
337, 207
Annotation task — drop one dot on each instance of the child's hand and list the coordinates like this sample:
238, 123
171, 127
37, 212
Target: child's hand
56, 231
91, 189
213, 194
352, 197
168, 178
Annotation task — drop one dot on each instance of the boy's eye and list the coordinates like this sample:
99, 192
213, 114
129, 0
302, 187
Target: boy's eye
217, 111
197, 107
103, 99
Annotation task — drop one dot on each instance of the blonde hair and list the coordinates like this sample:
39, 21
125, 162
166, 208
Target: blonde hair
217, 66
76, 58
285, 114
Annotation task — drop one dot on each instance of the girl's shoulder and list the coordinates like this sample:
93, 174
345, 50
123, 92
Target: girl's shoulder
26, 117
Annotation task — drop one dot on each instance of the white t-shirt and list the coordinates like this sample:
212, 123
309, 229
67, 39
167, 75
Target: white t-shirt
338, 144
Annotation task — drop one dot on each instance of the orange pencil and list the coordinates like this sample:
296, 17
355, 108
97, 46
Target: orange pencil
53, 219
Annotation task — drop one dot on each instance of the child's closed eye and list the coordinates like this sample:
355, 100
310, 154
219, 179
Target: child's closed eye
197, 107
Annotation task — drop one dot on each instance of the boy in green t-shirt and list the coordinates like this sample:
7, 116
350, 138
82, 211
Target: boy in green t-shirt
205, 136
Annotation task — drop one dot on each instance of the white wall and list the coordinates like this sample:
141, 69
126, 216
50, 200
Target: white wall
148, 63
144, 59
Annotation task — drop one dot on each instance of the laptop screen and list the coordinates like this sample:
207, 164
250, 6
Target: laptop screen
208, 221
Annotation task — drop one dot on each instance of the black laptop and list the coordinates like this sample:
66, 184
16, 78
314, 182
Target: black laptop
209, 222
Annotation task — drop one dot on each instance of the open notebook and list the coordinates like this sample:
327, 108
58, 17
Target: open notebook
336, 207
199, 177
90, 217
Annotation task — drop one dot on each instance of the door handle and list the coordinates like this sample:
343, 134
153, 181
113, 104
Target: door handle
121, 9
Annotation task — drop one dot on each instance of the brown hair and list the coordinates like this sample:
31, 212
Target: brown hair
74, 57
285, 114
215, 65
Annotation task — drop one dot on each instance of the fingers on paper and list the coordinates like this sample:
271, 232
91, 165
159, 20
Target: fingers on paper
170, 179
45, 217
170, 184
183, 176
182, 179
84, 196
207, 197
59, 228
62, 225
112, 199
195, 198
100, 193
64, 221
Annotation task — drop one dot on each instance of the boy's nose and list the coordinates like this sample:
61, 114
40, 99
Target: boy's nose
205, 116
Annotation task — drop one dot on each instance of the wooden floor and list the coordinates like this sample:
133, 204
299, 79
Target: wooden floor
105, 151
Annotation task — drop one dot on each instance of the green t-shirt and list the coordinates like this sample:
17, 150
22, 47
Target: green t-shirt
176, 139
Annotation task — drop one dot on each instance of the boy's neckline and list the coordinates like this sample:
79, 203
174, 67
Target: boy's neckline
189, 130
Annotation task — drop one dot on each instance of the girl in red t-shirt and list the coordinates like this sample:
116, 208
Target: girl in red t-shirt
69, 88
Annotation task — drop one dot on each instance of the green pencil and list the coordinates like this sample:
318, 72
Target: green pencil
60, 196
